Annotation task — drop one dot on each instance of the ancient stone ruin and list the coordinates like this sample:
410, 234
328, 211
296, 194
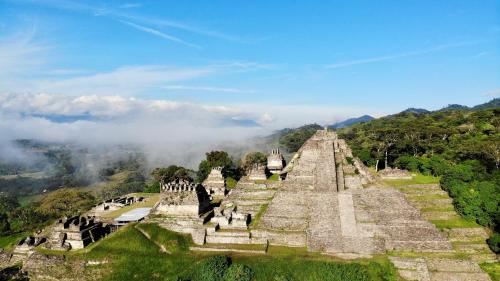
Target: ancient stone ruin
394, 174
182, 198
186, 207
114, 204
215, 183
257, 172
322, 204
76, 233
275, 161
25, 247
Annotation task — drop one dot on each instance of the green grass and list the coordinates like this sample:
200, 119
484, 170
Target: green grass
131, 256
255, 221
446, 208
448, 255
231, 183
134, 257
7, 242
250, 247
173, 242
454, 223
26, 200
493, 269
425, 197
274, 177
417, 179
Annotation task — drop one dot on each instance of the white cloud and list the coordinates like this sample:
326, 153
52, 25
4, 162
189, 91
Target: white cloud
159, 33
493, 93
120, 14
209, 89
130, 5
20, 54
128, 80
400, 55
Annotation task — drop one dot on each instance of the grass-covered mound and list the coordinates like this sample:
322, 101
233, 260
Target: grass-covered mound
133, 256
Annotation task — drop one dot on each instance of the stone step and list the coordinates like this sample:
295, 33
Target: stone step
429, 246
260, 194
439, 215
229, 234
476, 251
242, 202
421, 191
480, 258
432, 203
228, 240
438, 269
423, 186
467, 234
231, 248
459, 276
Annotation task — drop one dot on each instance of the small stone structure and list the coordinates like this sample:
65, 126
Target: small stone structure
25, 247
76, 233
182, 198
275, 161
227, 217
186, 207
258, 172
114, 204
215, 183
394, 174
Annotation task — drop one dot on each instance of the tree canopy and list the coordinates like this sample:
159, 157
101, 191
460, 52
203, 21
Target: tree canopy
218, 159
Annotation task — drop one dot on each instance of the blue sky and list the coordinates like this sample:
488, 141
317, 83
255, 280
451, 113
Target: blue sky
306, 60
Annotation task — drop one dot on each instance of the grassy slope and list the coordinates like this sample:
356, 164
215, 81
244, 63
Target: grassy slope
132, 256
7, 242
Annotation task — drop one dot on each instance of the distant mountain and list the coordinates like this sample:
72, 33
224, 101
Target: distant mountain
237, 122
491, 104
494, 103
454, 107
415, 110
59, 118
351, 121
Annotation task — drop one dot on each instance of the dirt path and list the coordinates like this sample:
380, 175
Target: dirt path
162, 248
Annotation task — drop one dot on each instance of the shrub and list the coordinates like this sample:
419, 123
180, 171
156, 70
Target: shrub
4, 224
154, 187
231, 183
349, 160
211, 269
438, 165
407, 162
238, 272
274, 177
494, 242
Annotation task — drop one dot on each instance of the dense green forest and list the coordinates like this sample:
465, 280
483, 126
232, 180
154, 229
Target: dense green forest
462, 146
293, 139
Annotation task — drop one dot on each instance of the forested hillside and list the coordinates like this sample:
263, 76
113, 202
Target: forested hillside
461, 146
293, 139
